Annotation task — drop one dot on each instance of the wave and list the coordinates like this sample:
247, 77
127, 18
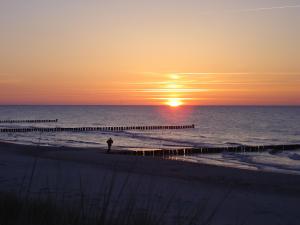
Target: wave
233, 144
295, 156
267, 161
290, 155
149, 138
80, 142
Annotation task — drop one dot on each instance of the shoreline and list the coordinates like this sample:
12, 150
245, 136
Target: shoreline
210, 155
180, 150
186, 170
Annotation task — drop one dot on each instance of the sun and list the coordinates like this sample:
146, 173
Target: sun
174, 102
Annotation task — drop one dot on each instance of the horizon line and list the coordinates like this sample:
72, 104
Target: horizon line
160, 105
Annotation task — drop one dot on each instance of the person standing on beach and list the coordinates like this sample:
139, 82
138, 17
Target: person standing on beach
109, 144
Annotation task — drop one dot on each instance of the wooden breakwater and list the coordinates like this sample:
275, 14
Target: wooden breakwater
29, 121
207, 150
89, 129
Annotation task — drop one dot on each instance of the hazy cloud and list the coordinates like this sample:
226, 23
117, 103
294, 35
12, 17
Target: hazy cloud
264, 8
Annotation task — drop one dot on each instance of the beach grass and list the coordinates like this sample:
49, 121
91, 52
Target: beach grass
16, 210
115, 205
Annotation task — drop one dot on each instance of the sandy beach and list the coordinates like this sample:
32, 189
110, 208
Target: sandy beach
232, 196
136, 112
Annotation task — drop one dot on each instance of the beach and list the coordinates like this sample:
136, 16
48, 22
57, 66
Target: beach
222, 195
136, 112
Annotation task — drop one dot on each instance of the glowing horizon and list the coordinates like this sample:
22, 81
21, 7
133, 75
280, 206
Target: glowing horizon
139, 52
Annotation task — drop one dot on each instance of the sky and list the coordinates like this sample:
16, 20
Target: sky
140, 52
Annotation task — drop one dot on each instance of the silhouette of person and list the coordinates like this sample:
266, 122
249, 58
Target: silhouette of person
109, 144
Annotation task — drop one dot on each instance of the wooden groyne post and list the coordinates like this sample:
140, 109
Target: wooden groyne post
207, 150
29, 121
89, 129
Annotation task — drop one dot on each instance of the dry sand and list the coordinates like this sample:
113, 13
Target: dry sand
234, 196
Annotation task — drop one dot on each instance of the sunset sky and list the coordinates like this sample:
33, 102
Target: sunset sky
208, 52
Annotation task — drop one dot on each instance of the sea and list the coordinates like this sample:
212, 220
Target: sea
215, 126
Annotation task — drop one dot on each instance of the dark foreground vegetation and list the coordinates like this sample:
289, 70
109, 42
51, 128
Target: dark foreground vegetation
22, 211
16, 211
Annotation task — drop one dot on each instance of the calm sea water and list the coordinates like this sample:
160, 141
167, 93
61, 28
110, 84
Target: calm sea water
215, 126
